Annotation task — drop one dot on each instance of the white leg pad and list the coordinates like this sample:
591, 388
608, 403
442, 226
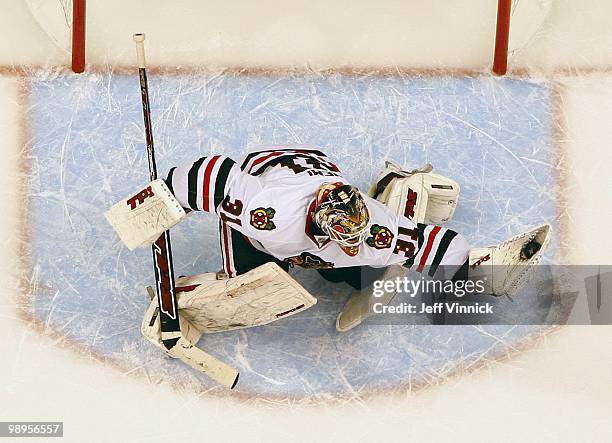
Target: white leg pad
185, 348
261, 296
420, 195
208, 304
204, 362
151, 329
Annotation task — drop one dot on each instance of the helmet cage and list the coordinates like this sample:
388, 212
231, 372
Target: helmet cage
343, 216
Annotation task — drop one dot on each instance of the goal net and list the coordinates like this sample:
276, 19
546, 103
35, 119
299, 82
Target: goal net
64, 23
518, 22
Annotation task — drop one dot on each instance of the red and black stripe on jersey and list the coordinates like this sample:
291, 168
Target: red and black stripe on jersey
241, 254
433, 242
317, 162
206, 183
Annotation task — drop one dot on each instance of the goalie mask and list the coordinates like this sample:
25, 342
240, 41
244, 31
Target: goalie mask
341, 213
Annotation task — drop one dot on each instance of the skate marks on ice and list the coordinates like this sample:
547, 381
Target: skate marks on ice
494, 136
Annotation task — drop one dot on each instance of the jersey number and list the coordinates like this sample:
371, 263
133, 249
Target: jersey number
233, 208
406, 247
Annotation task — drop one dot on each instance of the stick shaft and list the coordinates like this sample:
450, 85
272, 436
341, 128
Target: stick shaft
162, 251
146, 108
170, 325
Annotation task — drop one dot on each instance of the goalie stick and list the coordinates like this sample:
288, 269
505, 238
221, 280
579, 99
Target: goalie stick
172, 338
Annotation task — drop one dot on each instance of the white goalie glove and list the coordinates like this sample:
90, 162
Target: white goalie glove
142, 217
505, 268
419, 194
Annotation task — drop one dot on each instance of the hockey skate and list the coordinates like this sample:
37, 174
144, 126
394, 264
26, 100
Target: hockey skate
505, 268
360, 302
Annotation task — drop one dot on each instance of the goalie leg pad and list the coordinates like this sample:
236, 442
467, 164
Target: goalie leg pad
505, 268
258, 297
420, 195
142, 217
390, 172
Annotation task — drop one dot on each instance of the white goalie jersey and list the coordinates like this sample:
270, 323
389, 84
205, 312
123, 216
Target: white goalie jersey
270, 196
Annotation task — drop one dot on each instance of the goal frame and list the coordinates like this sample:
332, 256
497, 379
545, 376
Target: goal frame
502, 37
500, 58
79, 20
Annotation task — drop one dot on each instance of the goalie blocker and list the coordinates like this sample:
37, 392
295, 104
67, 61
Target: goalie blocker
143, 216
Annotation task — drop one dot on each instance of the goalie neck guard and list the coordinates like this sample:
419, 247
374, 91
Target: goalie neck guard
340, 211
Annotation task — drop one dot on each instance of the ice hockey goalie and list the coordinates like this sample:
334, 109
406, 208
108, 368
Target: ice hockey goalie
291, 206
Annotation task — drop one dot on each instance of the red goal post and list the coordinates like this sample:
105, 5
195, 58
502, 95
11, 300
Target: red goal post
64, 22
502, 37
78, 35
519, 22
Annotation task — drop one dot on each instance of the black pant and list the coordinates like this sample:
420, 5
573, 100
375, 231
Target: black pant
246, 257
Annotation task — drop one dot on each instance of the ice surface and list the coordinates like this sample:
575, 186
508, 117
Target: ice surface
492, 135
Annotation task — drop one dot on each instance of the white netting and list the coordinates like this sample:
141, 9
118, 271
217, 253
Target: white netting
526, 20
55, 18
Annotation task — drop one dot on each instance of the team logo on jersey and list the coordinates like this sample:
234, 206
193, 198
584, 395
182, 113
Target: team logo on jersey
308, 260
381, 237
261, 218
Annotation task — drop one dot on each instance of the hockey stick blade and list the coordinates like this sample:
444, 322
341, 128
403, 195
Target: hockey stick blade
190, 354
204, 362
